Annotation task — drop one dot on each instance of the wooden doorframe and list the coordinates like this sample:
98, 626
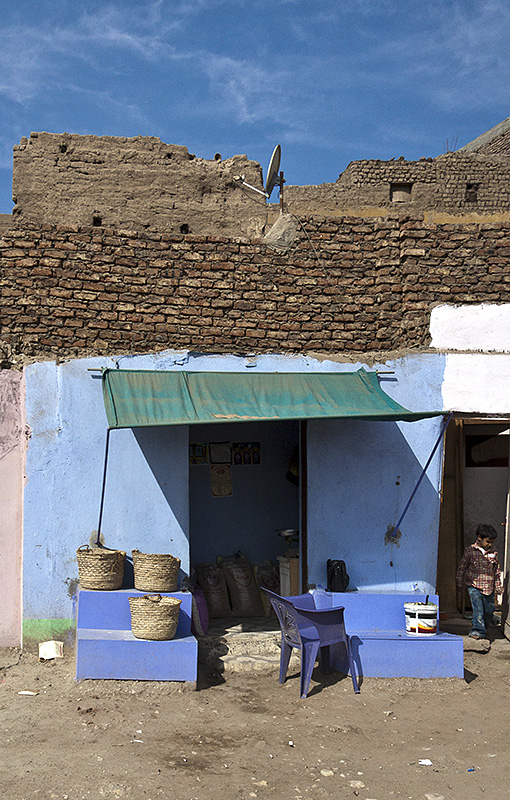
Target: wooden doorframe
452, 513
505, 610
451, 518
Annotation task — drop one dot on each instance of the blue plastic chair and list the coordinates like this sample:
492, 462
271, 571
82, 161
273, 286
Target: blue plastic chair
312, 631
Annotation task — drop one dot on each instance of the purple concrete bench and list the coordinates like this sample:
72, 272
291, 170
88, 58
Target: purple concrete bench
381, 648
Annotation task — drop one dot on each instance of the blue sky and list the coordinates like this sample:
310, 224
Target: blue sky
331, 80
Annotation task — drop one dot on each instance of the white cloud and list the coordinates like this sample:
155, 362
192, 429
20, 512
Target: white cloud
33, 56
323, 86
457, 56
250, 91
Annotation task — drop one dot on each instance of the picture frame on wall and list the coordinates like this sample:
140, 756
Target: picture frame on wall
245, 454
220, 453
198, 453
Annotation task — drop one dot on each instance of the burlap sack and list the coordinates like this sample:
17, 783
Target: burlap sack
211, 580
244, 593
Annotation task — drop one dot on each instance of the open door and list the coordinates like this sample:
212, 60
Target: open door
476, 489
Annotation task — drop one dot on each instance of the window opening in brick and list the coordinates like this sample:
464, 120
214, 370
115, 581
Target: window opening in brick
471, 195
400, 192
185, 228
97, 221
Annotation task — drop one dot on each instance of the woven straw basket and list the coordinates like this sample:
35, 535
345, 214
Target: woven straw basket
155, 572
100, 568
154, 617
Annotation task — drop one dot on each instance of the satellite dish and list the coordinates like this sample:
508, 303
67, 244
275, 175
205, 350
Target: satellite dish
272, 176
272, 170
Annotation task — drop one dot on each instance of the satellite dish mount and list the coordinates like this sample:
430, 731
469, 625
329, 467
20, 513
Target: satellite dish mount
272, 177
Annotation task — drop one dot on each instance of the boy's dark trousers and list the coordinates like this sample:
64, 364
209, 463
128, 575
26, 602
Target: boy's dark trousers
483, 609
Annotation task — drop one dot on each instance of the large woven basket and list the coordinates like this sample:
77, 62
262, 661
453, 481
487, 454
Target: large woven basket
155, 572
100, 568
154, 617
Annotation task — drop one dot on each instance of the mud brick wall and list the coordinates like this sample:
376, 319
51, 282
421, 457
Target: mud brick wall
459, 182
347, 286
139, 183
145, 185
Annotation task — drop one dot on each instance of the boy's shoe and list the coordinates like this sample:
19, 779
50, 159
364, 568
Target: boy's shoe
475, 636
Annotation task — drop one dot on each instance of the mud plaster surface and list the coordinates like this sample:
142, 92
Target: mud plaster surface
249, 737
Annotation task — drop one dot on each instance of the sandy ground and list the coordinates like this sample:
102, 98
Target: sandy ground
249, 737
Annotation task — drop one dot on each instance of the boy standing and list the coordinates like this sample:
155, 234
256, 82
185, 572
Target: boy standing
479, 571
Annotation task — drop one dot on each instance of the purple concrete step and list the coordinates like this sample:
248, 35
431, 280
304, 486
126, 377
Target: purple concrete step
396, 654
106, 647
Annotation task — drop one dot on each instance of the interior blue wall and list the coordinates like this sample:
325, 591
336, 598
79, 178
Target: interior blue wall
360, 477
262, 501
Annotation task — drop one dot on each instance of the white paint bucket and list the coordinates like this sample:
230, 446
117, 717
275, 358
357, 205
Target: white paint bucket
421, 618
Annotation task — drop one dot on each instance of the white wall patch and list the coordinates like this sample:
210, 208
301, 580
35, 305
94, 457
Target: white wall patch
483, 328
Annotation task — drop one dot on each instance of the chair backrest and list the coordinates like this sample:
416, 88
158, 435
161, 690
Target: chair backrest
326, 625
287, 617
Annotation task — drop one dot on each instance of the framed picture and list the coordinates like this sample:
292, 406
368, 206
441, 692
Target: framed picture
221, 480
198, 453
245, 453
220, 453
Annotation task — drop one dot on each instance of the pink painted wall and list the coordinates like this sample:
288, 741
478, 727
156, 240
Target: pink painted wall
12, 453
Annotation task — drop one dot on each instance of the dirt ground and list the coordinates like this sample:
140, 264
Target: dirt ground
249, 737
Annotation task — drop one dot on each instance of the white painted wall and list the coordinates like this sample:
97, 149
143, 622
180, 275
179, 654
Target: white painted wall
477, 383
484, 327
485, 491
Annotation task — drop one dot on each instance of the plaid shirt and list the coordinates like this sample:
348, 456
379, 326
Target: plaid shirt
480, 569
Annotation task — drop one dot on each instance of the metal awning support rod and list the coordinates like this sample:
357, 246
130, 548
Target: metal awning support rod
103, 488
425, 468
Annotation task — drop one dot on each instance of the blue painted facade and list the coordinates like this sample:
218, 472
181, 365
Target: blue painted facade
360, 475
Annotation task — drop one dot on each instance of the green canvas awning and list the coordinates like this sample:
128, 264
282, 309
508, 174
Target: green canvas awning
140, 398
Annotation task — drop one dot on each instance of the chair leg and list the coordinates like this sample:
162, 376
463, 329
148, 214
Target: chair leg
308, 655
351, 665
286, 651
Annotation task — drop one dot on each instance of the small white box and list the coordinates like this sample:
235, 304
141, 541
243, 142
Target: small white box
51, 649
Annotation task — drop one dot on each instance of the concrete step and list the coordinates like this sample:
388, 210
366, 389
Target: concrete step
118, 655
243, 646
237, 646
238, 665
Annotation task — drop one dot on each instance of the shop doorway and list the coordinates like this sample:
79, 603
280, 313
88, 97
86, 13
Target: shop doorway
244, 485
475, 490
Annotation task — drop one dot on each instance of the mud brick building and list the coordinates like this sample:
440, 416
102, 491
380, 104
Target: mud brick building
134, 254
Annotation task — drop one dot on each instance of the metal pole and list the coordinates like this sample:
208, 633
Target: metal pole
103, 488
404, 512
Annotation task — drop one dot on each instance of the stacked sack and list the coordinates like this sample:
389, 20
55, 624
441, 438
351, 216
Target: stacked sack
231, 586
